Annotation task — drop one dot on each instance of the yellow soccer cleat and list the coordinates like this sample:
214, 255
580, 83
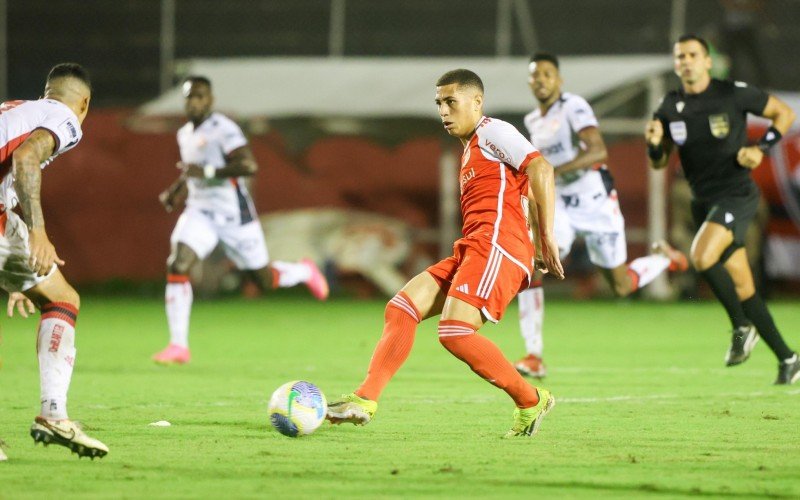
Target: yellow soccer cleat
66, 433
527, 420
351, 408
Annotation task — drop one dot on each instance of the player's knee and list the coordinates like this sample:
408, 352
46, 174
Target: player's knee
622, 289
178, 265
744, 291
702, 260
69, 295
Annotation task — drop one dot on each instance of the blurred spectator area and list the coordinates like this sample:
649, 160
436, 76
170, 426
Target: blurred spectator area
121, 43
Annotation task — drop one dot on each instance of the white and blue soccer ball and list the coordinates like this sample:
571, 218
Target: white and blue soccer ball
297, 408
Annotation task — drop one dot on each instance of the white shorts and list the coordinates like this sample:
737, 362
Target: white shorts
592, 212
15, 272
201, 231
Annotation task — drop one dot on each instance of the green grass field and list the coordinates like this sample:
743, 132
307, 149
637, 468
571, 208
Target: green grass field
645, 408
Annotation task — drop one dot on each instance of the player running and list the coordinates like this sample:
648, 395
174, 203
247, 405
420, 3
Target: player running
566, 131
490, 263
32, 134
707, 120
215, 160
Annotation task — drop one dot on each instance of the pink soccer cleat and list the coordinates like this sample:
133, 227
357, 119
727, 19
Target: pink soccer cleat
173, 355
317, 283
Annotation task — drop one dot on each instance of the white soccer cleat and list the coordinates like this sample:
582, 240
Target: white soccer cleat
67, 433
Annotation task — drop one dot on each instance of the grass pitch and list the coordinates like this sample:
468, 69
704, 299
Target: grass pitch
644, 408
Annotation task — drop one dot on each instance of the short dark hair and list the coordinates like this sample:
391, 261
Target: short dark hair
462, 77
545, 56
198, 79
71, 70
691, 37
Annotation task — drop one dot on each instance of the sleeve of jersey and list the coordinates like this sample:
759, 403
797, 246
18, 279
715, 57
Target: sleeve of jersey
505, 143
580, 114
65, 129
750, 99
231, 137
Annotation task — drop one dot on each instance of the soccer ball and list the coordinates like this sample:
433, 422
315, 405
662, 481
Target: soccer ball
297, 408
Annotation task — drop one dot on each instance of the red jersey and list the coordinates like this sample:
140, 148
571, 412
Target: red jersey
494, 189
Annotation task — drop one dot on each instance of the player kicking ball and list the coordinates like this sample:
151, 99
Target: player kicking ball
215, 160
566, 131
490, 263
32, 134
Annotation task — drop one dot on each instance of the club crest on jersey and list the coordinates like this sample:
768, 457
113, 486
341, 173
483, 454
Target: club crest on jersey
679, 106
678, 132
720, 126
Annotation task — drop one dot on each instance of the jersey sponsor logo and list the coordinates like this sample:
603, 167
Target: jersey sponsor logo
494, 149
466, 178
679, 106
720, 125
678, 132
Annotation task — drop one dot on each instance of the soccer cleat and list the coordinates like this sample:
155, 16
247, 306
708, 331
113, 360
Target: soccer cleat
677, 259
173, 355
351, 408
3, 456
742, 343
531, 366
67, 433
317, 283
788, 371
527, 420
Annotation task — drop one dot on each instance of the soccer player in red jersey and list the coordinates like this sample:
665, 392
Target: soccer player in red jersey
32, 134
490, 264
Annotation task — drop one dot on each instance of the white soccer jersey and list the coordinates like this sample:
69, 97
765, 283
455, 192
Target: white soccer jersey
209, 144
556, 133
18, 119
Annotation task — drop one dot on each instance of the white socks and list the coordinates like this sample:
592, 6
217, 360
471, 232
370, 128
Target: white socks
291, 273
56, 351
648, 268
179, 298
531, 317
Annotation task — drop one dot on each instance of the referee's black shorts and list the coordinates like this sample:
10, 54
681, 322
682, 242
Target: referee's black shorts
734, 210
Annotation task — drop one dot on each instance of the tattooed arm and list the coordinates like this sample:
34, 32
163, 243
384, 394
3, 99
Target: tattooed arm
26, 168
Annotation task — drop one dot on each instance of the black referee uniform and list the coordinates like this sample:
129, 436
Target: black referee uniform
709, 128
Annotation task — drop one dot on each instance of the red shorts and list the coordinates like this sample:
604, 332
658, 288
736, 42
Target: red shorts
481, 275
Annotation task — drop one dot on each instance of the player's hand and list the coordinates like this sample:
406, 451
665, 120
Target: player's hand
22, 303
167, 198
43, 253
654, 132
750, 157
551, 261
191, 169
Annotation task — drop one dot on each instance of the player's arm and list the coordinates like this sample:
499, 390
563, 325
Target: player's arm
782, 117
175, 194
239, 163
533, 220
542, 187
26, 168
595, 151
659, 147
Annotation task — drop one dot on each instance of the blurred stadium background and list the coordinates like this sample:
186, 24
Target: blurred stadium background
336, 96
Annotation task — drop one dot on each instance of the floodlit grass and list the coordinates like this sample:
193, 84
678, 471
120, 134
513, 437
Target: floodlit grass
644, 407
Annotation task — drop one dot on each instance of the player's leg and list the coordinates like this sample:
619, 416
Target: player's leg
193, 238
59, 304
531, 301
246, 247
708, 246
756, 311
420, 298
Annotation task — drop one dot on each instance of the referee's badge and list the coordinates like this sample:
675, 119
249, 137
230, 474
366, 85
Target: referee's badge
720, 126
678, 132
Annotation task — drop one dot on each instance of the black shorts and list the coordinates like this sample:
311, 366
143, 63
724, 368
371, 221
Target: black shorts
735, 211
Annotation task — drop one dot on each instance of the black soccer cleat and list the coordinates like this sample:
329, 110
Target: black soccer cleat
788, 371
743, 341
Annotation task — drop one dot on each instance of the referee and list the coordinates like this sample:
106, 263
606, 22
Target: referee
706, 120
